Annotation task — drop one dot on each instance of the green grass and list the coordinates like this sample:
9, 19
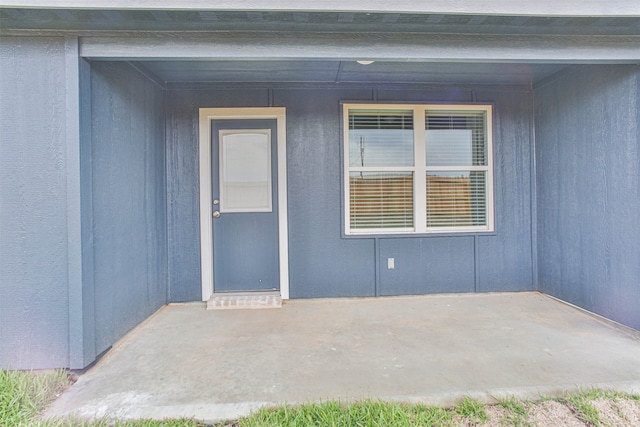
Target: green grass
72, 422
585, 411
472, 409
581, 402
517, 414
368, 413
24, 395
154, 423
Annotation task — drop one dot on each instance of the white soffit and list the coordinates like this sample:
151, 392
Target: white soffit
471, 7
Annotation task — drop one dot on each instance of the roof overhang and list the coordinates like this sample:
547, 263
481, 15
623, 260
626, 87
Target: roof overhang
468, 7
492, 42
346, 46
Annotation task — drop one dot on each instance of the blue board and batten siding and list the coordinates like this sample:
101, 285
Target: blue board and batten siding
83, 252
34, 293
99, 214
129, 199
322, 262
588, 182
183, 221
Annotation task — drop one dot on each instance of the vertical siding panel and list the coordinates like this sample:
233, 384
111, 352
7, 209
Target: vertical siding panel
505, 259
427, 265
33, 213
588, 179
183, 201
86, 201
322, 262
129, 199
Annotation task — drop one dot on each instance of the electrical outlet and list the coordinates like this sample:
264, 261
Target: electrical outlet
391, 263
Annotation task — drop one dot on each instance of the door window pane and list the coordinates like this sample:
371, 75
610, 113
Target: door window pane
245, 171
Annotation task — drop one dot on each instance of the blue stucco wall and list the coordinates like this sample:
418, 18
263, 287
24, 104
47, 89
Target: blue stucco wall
34, 259
324, 264
128, 192
588, 189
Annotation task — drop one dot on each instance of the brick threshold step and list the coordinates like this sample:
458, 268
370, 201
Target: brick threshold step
244, 300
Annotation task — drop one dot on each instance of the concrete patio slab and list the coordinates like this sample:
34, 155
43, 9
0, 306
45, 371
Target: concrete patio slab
186, 361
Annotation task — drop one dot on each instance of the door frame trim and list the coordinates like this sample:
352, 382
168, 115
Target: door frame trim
206, 116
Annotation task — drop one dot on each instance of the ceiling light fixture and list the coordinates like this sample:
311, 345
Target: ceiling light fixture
364, 62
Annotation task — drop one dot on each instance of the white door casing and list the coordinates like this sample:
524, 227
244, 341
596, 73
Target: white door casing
207, 115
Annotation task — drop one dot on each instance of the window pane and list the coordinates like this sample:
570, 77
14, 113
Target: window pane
380, 138
456, 199
381, 199
456, 139
245, 172
449, 147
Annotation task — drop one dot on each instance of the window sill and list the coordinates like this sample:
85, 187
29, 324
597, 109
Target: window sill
418, 235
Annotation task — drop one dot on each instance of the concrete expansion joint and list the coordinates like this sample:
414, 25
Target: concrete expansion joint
244, 301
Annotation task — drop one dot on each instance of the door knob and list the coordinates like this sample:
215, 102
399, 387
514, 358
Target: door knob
216, 214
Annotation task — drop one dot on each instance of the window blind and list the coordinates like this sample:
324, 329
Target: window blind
456, 139
380, 138
404, 180
456, 198
381, 199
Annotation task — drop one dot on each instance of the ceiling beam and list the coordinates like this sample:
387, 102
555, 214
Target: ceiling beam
373, 46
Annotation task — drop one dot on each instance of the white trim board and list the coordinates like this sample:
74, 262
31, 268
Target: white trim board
488, 7
207, 115
391, 47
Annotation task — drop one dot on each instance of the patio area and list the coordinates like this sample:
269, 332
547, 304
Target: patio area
186, 361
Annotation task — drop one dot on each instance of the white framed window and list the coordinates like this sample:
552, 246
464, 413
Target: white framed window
417, 169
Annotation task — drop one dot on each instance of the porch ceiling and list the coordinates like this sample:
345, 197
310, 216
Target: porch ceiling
301, 71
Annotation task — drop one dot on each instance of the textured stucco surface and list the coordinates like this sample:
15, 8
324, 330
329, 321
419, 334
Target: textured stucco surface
588, 189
